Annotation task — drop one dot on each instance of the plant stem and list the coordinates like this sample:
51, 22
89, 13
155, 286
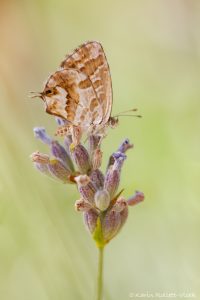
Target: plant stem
100, 274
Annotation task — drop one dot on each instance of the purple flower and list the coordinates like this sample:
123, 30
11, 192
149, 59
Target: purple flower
105, 210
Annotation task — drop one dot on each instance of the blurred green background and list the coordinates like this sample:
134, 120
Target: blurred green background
153, 48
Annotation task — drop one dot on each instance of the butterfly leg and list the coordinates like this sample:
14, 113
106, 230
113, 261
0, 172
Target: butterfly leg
63, 130
100, 130
75, 132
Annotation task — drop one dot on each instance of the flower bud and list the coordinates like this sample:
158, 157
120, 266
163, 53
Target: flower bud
136, 198
90, 218
81, 158
59, 171
41, 162
112, 178
94, 143
39, 157
97, 159
119, 160
120, 204
102, 199
125, 145
59, 152
117, 157
40, 133
86, 188
97, 179
110, 225
111, 182
82, 205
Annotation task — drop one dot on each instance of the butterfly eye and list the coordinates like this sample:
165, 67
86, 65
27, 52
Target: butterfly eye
48, 92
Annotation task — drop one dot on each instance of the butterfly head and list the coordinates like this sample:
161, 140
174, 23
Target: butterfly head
48, 92
113, 122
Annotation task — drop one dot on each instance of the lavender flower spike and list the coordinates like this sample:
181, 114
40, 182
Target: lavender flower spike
85, 104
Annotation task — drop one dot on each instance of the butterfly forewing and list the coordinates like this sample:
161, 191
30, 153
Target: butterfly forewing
91, 61
65, 97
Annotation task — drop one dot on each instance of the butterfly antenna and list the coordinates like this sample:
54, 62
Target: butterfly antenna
35, 95
137, 116
124, 113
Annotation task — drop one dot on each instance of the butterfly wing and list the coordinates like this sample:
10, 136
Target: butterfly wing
69, 94
91, 61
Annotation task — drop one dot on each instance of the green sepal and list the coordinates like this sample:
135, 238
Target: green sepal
98, 235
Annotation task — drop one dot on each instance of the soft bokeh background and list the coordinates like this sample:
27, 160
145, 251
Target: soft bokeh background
153, 48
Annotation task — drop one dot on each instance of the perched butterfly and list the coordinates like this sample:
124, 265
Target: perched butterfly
80, 92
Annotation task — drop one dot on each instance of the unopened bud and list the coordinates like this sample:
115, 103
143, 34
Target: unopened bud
97, 159
82, 180
39, 157
90, 218
82, 205
102, 199
41, 162
113, 174
120, 204
113, 222
125, 145
59, 152
119, 160
81, 158
59, 171
85, 187
97, 179
94, 143
111, 182
110, 225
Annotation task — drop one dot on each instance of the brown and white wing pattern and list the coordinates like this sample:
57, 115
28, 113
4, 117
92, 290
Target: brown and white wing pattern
91, 61
69, 94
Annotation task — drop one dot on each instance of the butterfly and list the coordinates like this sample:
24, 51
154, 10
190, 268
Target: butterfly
80, 91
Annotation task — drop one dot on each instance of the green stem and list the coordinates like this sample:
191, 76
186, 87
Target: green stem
100, 274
